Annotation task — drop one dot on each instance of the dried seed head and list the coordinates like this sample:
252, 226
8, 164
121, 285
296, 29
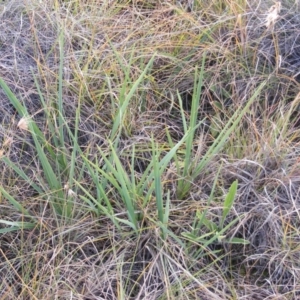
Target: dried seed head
71, 193
7, 142
273, 14
23, 124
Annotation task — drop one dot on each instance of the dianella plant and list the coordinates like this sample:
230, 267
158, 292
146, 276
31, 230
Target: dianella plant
51, 153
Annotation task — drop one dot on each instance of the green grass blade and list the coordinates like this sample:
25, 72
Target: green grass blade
198, 82
166, 216
60, 96
21, 109
148, 183
125, 190
15, 203
16, 228
202, 216
100, 188
54, 184
21, 173
13, 99
229, 201
157, 183
225, 133
184, 122
38, 137
183, 184
119, 119
238, 241
219, 142
46, 110
119, 179
20, 225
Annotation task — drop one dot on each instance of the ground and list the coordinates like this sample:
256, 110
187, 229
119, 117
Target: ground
149, 149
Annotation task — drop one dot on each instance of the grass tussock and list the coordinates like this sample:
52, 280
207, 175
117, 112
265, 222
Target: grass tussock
149, 149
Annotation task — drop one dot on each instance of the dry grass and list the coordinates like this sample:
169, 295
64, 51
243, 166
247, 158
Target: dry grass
110, 85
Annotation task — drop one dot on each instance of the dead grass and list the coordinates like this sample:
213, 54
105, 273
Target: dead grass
94, 252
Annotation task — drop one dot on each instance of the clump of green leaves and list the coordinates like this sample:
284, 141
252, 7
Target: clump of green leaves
216, 231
